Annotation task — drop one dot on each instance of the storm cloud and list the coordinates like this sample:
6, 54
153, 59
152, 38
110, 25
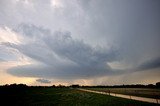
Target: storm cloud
61, 56
150, 64
79, 39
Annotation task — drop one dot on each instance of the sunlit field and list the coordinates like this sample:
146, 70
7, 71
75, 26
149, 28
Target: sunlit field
61, 97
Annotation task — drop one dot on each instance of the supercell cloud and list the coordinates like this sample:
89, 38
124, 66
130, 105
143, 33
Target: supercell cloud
93, 41
58, 55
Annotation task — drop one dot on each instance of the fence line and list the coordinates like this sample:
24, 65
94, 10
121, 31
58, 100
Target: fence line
144, 99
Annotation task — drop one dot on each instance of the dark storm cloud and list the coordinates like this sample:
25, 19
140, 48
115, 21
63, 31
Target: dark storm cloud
77, 51
61, 71
43, 81
151, 64
61, 56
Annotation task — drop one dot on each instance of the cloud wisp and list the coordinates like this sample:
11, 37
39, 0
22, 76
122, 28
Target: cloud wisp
43, 81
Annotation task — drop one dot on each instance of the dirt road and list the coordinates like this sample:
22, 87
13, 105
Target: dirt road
150, 100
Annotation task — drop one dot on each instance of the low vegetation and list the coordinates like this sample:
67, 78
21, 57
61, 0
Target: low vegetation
60, 96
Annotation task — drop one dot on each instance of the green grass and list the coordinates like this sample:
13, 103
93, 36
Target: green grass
142, 92
62, 97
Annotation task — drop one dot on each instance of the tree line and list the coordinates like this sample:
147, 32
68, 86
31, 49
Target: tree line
157, 85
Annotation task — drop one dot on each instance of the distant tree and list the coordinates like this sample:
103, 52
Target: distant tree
150, 85
53, 86
18, 85
61, 86
158, 84
75, 86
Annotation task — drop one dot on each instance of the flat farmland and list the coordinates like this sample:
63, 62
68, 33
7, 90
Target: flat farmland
141, 92
62, 97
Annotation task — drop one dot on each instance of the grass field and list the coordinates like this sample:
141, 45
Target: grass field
142, 92
62, 97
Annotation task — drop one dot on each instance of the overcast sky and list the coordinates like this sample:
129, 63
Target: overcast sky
90, 42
